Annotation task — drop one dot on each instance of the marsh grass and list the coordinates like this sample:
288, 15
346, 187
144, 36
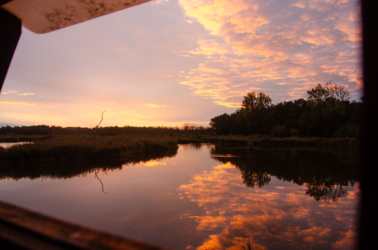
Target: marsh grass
23, 138
306, 142
47, 149
64, 170
85, 148
267, 141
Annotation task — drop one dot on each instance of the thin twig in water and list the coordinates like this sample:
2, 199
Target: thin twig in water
102, 118
102, 184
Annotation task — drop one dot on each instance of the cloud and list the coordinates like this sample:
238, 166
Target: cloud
26, 94
209, 48
18, 103
151, 105
154, 163
9, 92
13, 103
157, 2
348, 240
141, 116
267, 216
127, 111
280, 47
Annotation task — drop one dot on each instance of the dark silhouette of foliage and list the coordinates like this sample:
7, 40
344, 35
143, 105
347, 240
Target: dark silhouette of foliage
187, 129
326, 110
322, 93
326, 174
255, 101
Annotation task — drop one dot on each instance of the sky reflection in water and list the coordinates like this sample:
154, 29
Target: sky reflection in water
194, 201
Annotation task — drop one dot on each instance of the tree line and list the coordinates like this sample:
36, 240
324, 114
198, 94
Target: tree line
326, 174
327, 112
186, 129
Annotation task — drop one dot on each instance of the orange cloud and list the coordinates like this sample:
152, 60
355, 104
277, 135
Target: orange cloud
157, 2
210, 47
26, 94
18, 103
127, 111
154, 163
9, 92
151, 105
274, 47
139, 115
267, 216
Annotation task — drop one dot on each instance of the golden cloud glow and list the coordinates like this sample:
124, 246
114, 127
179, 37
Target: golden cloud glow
26, 94
140, 116
154, 163
127, 111
282, 215
151, 105
209, 47
274, 47
9, 92
157, 2
18, 103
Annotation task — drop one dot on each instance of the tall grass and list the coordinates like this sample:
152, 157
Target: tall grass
78, 148
64, 170
306, 142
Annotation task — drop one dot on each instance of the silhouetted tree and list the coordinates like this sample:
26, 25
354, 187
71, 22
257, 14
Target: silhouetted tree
253, 101
323, 114
322, 93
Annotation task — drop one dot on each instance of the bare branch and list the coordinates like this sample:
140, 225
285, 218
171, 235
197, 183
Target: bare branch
102, 118
96, 171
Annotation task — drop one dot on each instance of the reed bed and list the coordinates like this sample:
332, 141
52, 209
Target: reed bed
352, 143
23, 138
267, 141
80, 148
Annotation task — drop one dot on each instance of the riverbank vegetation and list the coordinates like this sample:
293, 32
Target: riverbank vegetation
325, 172
64, 170
85, 148
326, 119
327, 113
39, 131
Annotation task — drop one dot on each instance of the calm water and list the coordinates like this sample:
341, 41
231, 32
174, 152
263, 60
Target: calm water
204, 197
11, 144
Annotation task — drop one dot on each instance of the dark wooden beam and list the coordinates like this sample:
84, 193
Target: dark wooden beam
10, 32
23, 229
368, 210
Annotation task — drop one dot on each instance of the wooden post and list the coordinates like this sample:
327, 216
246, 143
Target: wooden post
23, 229
10, 32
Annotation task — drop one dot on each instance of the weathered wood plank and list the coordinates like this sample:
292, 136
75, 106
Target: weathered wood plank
30, 230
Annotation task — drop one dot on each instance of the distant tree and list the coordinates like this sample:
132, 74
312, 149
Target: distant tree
325, 112
321, 93
255, 101
221, 124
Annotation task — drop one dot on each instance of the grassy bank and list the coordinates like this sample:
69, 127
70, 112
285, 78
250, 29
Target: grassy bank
23, 138
64, 170
67, 148
84, 148
266, 141
306, 142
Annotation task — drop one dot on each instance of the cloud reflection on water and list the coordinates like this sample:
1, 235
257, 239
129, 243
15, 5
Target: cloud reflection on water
277, 216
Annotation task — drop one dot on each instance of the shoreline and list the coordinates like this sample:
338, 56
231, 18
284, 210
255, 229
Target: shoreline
53, 149
67, 149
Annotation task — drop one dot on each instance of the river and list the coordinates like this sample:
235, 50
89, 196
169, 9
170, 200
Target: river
204, 197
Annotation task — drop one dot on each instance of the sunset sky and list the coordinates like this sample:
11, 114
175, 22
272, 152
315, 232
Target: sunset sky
168, 62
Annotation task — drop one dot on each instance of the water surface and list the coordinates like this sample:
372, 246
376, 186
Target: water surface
11, 144
204, 197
